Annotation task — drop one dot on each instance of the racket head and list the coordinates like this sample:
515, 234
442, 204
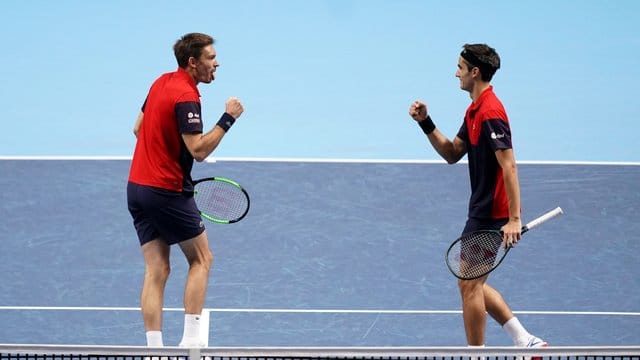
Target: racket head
221, 200
476, 254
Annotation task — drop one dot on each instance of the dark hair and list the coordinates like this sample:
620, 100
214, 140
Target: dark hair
190, 45
483, 57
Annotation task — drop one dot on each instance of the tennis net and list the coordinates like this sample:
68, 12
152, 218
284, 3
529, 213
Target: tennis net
81, 352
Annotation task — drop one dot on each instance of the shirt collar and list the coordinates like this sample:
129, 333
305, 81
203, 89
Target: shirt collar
182, 73
485, 93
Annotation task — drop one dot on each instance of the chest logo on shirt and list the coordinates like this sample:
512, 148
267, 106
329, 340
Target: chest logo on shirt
193, 118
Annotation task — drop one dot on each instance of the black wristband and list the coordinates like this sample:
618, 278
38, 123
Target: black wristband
226, 121
427, 125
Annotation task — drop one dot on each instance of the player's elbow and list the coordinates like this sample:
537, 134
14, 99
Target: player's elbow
197, 151
198, 154
452, 158
456, 154
199, 157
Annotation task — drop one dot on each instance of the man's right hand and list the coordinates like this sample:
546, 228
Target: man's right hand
418, 111
233, 107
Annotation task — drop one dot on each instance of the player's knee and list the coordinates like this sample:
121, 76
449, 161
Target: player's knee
204, 260
208, 259
469, 287
159, 272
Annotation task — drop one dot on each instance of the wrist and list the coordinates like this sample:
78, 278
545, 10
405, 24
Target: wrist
226, 122
427, 125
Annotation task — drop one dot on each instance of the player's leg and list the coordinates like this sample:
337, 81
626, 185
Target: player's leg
473, 310
143, 204
177, 218
157, 267
200, 259
495, 305
500, 311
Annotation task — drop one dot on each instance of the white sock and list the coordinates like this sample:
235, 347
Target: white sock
518, 333
191, 333
154, 339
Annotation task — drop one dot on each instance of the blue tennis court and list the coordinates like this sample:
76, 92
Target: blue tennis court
331, 254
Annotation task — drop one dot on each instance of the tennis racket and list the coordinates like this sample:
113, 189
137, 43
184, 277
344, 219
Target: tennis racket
221, 200
478, 253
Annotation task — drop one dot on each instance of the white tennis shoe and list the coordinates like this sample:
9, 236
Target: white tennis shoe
535, 342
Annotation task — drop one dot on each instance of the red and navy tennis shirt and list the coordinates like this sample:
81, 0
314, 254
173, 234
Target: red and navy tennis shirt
161, 158
486, 130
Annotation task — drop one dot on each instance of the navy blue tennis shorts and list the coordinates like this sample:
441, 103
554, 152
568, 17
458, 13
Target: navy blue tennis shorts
475, 224
159, 213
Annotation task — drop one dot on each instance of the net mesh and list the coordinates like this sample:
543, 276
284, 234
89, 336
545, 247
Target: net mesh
221, 200
475, 254
53, 352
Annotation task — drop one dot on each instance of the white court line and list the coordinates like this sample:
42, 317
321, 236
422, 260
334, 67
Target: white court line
62, 157
413, 161
314, 160
315, 311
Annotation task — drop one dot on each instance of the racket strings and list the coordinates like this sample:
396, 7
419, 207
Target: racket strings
221, 200
477, 254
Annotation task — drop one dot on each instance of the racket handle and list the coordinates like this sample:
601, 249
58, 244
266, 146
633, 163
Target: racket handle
548, 216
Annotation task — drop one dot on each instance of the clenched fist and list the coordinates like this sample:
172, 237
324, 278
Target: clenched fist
233, 107
418, 110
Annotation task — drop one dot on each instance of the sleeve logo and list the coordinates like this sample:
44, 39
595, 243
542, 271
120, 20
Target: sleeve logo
193, 118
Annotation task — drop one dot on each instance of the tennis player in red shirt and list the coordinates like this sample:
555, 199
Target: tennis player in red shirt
485, 137
170, 137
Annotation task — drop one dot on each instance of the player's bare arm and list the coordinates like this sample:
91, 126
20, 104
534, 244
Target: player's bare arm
512, 230
450, 151
202, 145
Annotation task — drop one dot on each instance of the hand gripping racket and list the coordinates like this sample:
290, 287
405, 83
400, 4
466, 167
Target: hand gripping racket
478, 253
221, 200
